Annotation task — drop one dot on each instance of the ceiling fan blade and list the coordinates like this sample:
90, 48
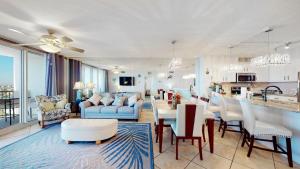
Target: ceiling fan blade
66, 39
76, 49
29, 44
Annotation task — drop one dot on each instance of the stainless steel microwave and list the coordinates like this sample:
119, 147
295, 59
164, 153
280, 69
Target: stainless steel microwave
245, 77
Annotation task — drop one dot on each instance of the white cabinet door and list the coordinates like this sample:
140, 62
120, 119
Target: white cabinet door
291, 73
262, 74
230, 77
277, 73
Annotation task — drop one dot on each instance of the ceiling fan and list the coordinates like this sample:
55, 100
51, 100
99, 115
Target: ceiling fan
52, 44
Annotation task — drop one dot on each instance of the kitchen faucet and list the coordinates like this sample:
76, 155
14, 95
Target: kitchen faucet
265, 91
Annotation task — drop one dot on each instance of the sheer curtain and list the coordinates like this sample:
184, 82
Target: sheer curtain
96, 76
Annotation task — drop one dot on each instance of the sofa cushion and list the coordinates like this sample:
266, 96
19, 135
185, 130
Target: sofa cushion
61, 104
107, 100
132, 100
95, 99
55, 114
125, 110
94, 109
47, 106
109, 109
119, 101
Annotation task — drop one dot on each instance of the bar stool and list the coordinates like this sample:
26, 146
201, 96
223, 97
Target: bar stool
208, 114
214, 103
229, 116
254, 128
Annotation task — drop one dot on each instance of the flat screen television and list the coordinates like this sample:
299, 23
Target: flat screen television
126, 81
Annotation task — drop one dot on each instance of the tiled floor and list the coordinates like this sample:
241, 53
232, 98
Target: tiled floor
228, 152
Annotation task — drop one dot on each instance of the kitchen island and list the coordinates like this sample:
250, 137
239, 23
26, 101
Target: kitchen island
283, 113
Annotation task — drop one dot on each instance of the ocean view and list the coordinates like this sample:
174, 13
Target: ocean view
6, 70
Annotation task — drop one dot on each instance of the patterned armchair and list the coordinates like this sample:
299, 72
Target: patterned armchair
52, 108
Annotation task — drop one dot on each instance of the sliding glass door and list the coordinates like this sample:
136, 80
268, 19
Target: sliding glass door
36, 82
10, 86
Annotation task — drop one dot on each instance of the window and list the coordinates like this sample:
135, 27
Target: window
36, 81
86, 74
10, 86
95, 75
101, 80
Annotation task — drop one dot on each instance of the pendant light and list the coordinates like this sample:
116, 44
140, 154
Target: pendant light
270, 58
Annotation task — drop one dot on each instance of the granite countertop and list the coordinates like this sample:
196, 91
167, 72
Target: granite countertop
288, 106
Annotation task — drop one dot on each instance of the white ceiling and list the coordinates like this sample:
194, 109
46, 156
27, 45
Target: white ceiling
111, 31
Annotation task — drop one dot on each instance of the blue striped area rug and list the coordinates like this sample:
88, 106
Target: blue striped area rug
131, 148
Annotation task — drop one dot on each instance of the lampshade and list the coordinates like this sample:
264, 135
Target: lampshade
90, 85
78, 85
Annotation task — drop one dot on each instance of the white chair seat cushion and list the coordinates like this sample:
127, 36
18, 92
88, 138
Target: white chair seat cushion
214, 108
208, 115
176, 130
263, 128
233, 116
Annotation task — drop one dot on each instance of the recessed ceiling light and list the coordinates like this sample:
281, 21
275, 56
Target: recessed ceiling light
16, 31
286, 47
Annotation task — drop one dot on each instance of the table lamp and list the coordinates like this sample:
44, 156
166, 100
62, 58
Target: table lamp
90, 86
79, 86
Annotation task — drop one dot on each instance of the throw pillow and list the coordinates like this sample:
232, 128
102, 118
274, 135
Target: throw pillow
95, 99
47, 106
132, 100
61, 104
107, 100
119, 101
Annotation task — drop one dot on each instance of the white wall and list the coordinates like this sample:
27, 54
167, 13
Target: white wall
176, 82
150, 81
113, 82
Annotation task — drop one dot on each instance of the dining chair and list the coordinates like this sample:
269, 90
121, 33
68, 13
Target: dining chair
206, 113
168, 97
189, 120
254, 128
229, 116
167, 123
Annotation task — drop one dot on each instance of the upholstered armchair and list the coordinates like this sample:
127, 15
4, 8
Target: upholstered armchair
52, 108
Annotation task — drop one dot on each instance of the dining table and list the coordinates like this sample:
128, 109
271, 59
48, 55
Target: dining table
166, 112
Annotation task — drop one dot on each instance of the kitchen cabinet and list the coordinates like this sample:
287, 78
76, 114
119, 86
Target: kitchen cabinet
229, 77
283, 73
291, 72
281, 98
262, 74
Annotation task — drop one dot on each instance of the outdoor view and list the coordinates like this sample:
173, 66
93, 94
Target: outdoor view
8, 113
